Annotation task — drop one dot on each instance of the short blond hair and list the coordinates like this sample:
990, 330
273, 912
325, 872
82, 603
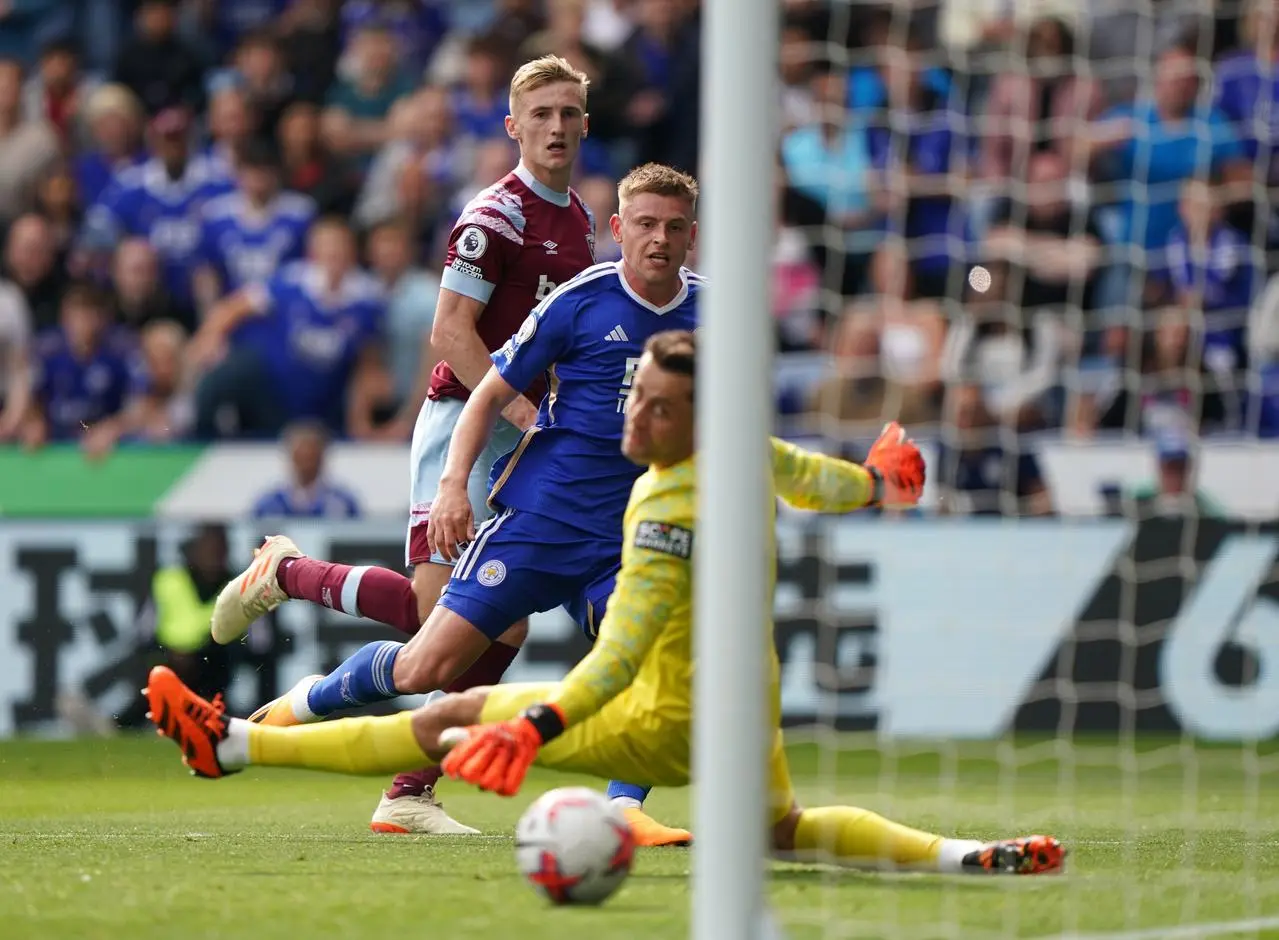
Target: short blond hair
548, 70
113, 99
660, 179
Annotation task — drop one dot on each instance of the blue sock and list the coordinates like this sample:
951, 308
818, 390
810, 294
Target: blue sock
364, 678
628, 790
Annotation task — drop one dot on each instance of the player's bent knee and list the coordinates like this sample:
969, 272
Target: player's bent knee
440, 652
784, 830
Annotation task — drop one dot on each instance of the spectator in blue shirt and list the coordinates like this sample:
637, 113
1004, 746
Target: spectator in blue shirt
114, 117
306, 344
417, 25
480, 101
1152, 147
1247, 87
917, 145
160, 200
249, 234
652, 48
829, 162
307, 495
1212, 270
84, 370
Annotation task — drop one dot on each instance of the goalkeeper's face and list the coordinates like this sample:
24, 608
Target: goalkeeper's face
658, 429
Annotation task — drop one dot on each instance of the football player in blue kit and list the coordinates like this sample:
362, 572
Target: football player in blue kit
559, 496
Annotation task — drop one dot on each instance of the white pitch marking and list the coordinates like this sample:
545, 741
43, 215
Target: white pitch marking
1184, 932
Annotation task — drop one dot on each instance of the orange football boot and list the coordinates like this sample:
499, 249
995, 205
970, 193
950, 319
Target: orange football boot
1028, 855
196, 726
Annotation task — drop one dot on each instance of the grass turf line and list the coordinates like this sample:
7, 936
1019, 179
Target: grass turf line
114, 839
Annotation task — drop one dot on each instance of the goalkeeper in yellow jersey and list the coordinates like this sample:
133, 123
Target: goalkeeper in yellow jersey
625, 711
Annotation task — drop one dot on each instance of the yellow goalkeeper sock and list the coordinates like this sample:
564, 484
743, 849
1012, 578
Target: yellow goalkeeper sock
851, 836
380, 745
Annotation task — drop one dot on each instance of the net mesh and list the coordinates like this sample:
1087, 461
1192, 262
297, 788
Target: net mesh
1040, 235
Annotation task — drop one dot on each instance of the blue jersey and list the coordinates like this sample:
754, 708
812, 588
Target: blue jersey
926, 142
1225, 277
1248, 94
310, 339
322, 501
1153, 163
75, 393
143, 201
245, 247
586, 337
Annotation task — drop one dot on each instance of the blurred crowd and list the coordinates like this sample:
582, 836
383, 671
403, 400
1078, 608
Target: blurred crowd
165, 164
996, 217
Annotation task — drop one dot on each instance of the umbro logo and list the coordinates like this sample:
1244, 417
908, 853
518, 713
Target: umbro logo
550, 247
617, 335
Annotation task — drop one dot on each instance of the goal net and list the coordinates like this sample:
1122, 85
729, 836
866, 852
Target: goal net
1039, 234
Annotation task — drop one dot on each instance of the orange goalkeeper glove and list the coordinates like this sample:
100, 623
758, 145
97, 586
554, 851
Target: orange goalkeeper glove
496, 756
898, 468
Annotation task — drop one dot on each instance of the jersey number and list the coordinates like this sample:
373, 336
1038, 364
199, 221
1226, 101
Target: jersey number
632, 363
544, 287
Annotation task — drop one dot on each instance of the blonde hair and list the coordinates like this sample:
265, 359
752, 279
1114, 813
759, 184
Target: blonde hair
660, 179
548, 70
117, 99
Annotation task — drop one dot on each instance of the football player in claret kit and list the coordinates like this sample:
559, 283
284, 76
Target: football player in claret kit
626, 709
510, 247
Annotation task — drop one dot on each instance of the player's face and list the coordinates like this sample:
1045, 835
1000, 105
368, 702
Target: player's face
549, 123
656, 234
658, 427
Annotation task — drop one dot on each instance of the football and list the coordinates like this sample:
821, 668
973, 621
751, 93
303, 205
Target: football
574, 846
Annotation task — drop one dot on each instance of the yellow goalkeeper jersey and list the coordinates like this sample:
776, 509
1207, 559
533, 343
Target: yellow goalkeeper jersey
644, 645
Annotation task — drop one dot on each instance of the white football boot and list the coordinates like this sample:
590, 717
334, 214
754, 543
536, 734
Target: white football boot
254, 592
417, 815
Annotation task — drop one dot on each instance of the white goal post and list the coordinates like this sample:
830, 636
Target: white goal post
734, 413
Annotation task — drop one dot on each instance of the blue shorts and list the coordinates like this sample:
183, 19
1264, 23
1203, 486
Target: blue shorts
521, 563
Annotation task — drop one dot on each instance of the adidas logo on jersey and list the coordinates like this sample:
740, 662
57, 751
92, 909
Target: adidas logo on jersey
617, 335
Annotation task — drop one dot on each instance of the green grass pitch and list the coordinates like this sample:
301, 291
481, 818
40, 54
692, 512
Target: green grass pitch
112, 839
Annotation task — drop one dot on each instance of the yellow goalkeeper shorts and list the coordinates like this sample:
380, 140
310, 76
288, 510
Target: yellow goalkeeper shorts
624, 742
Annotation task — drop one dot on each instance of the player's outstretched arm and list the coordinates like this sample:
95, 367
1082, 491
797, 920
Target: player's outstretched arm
893, 475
